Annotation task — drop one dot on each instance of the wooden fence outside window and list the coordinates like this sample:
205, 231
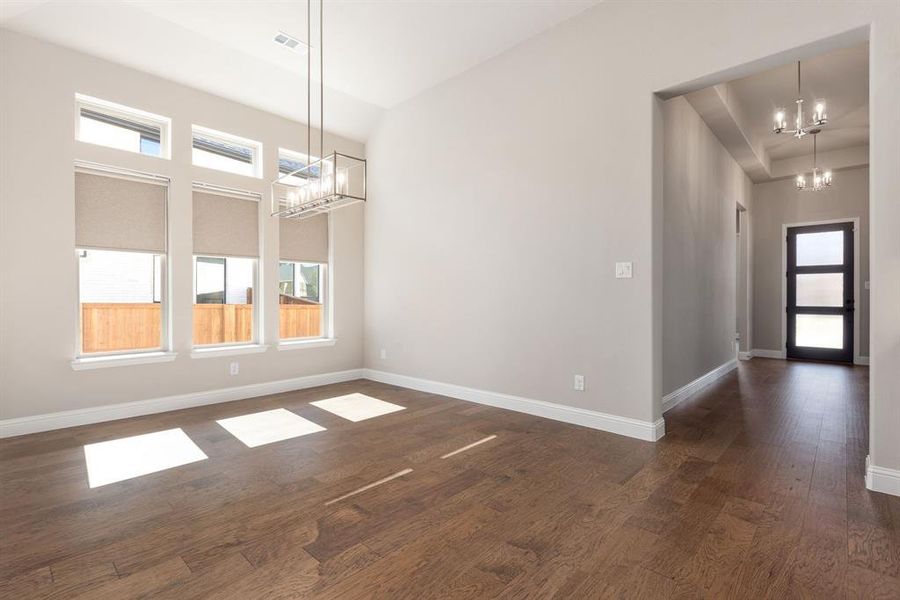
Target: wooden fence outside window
111, 327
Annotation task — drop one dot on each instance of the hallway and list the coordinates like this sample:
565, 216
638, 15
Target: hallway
789, 443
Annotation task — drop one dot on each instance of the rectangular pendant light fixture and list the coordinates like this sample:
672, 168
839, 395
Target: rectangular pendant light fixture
323, 185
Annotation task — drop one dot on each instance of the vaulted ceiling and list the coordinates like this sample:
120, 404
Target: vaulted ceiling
377, 53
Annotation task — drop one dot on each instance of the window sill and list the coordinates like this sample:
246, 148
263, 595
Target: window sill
301, 344
228, 350
121, 360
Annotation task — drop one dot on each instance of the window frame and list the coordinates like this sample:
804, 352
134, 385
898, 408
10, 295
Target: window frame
164, 337
324, 300
125, 113
255, 147
165, 317
254, 306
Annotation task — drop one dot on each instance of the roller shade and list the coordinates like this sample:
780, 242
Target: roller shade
304, 240
119, 213
225, 225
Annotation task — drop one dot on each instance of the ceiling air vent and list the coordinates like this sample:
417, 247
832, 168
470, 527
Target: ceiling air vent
290, 42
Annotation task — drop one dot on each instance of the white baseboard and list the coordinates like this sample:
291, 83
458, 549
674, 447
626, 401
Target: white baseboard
111, 412
762, 353
642, 430
672, 399
880, 479
861, 360
745, 355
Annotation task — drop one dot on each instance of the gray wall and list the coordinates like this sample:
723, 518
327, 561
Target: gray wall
778, 203
513, 189
39, 321
702, 187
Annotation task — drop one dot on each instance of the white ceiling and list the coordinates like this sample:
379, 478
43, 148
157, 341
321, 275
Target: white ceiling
377, 52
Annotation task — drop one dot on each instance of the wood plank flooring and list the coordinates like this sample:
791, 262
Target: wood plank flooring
755, 492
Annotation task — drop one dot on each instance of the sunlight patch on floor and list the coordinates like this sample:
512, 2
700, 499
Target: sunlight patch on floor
126, 458
357, 407
268, 426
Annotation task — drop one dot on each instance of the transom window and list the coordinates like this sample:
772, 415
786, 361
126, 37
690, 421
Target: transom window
225, 152
124, 128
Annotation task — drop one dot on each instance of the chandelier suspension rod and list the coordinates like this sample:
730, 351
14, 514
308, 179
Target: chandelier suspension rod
308, 80
321, 77
330, 181
798, 80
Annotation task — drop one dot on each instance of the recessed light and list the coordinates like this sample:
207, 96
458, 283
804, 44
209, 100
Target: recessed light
290, 42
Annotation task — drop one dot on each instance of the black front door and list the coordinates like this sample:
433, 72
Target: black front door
820, 300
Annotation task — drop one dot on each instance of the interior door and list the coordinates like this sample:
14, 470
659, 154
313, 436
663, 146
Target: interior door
820, 298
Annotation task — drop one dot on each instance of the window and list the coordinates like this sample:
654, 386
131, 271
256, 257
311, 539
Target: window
302, 293
226, 249
300, 307
300, 280
120, 238
118, 296
116, 126
290, 161
223, 300
225, 152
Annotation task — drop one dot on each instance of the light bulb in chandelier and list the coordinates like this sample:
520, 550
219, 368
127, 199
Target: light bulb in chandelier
819, 116
800, 125
780, 123
819, 179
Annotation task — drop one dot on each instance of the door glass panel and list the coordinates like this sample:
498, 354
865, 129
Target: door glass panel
824, 248
820, 331
820, 289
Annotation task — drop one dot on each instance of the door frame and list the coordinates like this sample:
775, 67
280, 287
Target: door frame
856, 290
744, 253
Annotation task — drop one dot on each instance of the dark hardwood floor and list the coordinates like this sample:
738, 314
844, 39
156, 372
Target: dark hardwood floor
756, 491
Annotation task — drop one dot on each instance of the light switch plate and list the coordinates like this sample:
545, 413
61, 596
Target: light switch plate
623, 270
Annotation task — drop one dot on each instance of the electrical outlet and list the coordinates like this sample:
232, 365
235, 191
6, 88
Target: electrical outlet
623, 270
579, 383
234, 368
383, 354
